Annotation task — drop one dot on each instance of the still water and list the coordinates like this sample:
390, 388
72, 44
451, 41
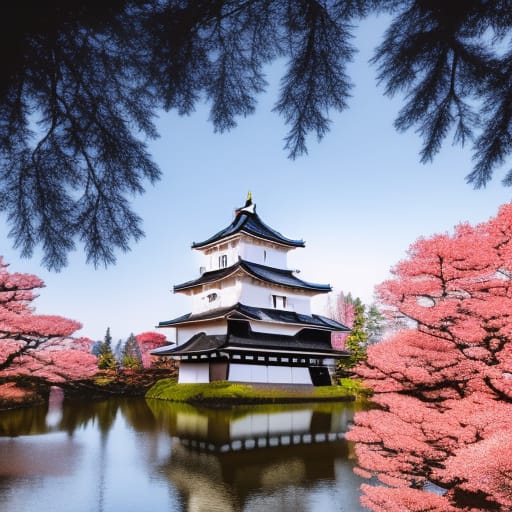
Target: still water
146, 455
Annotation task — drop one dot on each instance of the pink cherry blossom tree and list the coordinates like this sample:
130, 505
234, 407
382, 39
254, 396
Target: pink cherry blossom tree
149, 341
341, 308
34, 345
439, 438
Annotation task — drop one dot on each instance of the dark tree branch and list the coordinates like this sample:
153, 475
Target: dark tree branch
93, 75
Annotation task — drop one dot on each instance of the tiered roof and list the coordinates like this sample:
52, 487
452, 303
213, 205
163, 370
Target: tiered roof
282, 277
247, 221
301, 344
262, 314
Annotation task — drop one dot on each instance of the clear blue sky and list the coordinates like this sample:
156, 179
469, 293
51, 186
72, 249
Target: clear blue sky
359, 199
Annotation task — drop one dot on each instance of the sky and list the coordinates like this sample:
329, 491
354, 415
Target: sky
358, 200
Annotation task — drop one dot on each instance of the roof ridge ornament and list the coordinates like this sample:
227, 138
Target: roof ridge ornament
248, 221
249, 206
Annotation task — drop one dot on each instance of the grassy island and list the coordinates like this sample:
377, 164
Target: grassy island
216, 394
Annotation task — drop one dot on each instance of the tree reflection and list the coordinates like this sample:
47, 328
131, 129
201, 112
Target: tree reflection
278, 458
27, 421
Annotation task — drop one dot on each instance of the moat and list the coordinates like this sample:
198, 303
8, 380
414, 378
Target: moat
136, 454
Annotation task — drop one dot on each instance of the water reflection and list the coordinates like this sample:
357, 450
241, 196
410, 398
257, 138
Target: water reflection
259, 458
137, 455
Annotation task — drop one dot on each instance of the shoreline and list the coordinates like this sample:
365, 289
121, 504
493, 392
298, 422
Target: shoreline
215, 395
224, 394
222, 403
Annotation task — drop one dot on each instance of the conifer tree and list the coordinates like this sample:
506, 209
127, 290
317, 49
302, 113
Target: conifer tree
106, 360
374, 323
357, 340
92, 76
132, 357
118, 351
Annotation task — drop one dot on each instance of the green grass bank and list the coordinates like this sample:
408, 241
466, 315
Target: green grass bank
221, 394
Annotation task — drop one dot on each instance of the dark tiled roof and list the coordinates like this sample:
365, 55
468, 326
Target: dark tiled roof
202, 343
249, 222
199, 343
263, 314
291, 317
282, 276
189, 317
208, 277
272, 275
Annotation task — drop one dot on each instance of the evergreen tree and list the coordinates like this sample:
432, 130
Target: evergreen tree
132, 357
106, 359
95, 349
93, 75
357, 341
118, 351
374, 324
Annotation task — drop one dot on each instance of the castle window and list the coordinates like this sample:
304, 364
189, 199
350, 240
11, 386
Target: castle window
223, 261
212, 297
264, 255
279, 301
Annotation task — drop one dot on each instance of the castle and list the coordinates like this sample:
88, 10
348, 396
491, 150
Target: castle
251, 318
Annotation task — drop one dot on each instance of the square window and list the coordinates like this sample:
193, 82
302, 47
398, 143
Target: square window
279, 301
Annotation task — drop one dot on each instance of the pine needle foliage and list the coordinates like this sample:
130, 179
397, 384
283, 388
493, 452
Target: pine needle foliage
106, 359
82, 81
357, 340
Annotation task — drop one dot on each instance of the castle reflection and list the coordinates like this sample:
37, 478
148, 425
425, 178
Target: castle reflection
258, 458
240, 459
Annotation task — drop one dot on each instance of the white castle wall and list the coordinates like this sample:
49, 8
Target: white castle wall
253, 294
226, 296
184, 333
246, 248
249, 292
271, 256
190, 373
268, 374
212, 257
193, 373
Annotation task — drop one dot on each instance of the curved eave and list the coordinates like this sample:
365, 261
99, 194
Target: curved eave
262, 273
162, 350
250, 234
250, 313
301, 325
258, 272
208, 278
242, 223
190, 320
200, 343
